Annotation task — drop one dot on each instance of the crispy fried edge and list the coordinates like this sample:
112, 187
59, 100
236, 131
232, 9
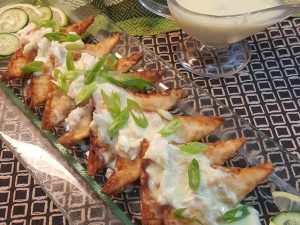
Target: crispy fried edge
104, 47
221, 151
194, 128
49, 119
125, 64
166, 100
81, 131
152, 76
152, 211
126, 172
81, 26
16, 62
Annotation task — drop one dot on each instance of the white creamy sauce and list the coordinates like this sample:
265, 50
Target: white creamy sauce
23, 33
169, 185
226, 7
74, 118
48, 48
86, 62
75, 87
223, 30
127, 142
31, 37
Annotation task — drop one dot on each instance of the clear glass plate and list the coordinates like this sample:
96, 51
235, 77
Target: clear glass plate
75, 193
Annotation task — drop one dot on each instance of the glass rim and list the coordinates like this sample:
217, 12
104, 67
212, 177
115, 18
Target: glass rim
280, 7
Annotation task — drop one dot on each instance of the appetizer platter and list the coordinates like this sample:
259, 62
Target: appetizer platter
135, 122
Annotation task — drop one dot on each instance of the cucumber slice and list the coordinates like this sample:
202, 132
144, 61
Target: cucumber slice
31, 10
46, 13
8, 44
13, 20
286, 218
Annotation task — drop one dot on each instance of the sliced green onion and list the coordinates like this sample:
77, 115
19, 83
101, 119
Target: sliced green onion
194, 148
178, 213
91, 75
62, 83
198, 221
55, 36
35, 66
46, 23
142, 121
69, 61
85, 93
73, 45
74, 74
56, 73
236, 214
165, 114
62, 37
71, 38
171, 127
194, 175
119, 122
112, 102
127, 80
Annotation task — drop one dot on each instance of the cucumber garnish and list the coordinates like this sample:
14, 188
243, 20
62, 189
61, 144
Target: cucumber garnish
13, 20
8, 44
286, 218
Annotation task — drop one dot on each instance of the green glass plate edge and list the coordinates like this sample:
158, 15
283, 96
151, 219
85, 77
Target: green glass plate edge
68, 156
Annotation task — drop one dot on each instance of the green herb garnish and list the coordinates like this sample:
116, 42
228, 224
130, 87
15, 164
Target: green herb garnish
61, 81
126, 80
35, 66
74, 74
165, 114
236, 214
140, 121
179, 212
85, 93
194, 148
91, 75
194, 175
46, 23
62, 37
112, 102
171, 127
119, 122
70, 61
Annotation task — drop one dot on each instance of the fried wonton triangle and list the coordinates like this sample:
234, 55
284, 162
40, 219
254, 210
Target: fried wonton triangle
221, 151
16, 62
40, 86
126, 172
193, 128
81, 26
165, 100
99, 153
125, 64
244, 180
81, 131
241, 181
102, 48
58, 107
150, 75
152, 211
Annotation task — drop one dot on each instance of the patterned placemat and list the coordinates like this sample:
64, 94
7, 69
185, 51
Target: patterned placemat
22, 200
266, 93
